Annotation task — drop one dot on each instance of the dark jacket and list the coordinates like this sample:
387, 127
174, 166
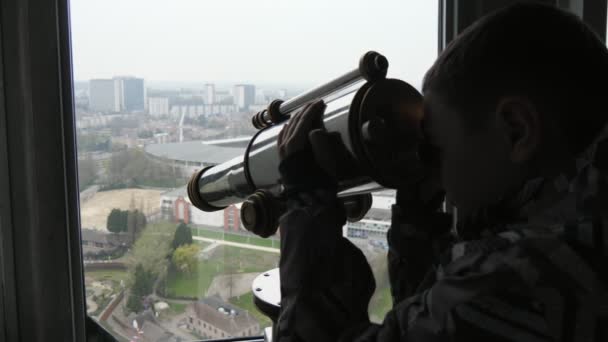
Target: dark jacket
531, 269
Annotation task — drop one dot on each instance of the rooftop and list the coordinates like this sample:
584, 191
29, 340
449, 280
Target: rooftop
194, 151
379, 214
231, 142
94, 235
222, 315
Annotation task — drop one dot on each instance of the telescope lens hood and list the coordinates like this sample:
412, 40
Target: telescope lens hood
385, 130
194, 193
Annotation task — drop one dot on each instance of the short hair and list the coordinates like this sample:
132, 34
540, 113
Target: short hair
528, 49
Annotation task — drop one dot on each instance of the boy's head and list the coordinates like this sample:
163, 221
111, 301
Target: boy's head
513, 97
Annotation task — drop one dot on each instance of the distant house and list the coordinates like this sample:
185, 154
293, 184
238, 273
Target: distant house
175, 206
377, 220
95, 241
149, 329
211, 317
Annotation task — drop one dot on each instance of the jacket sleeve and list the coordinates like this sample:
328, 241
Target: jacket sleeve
326, 282
415, 242
489, 292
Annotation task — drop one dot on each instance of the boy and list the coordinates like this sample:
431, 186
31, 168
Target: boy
515, 112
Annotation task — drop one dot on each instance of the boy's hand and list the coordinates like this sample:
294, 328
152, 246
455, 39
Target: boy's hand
299, 168
293, 137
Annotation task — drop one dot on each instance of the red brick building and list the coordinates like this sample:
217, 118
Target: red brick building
181, 210
176, 207
232, 218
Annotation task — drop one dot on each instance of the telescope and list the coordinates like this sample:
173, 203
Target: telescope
375, 119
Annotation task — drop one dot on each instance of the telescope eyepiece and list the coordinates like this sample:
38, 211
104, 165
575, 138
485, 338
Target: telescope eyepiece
260, 213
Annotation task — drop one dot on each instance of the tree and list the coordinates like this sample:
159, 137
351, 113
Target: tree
93, 142
132, 168
134, 303
115, 222
144, 281
87, 172
152, 250
135, 222
185, 258
142, 286
183, 236
124, 214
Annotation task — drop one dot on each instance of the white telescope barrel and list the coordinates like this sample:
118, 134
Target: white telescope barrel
233, 181
376, 119
263, 156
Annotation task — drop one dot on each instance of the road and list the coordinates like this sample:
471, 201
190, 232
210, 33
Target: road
237, 244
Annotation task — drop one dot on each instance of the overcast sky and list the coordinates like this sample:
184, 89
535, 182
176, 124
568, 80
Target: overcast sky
268, 41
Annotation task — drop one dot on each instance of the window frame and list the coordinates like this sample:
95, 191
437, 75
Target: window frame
37, 144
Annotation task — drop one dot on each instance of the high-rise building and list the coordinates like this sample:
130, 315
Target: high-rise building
158, 106
117, 94
102, 95
224, 97
210, 93
131, 90
119, 98
244, 96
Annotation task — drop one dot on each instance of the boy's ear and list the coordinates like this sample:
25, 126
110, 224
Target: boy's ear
521, 124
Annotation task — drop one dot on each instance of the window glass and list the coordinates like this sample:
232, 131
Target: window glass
165, 88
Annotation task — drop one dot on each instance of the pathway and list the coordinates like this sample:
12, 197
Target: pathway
237, 244
231, 285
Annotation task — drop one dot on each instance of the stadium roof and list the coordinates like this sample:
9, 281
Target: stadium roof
194, 151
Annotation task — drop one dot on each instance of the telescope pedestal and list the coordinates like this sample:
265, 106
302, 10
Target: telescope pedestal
267, 293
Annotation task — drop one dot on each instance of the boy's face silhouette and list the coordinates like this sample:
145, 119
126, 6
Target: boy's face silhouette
481, 162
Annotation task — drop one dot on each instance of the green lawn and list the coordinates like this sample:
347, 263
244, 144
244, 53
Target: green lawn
237, 238
176, 308
381, 301
202, 244
207, 233
224, 260
246, 302
116, 275
380, 304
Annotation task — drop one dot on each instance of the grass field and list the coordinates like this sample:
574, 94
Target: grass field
202, 244
224, 260
246, 302
176, 308
252, 240
94, 212
380, 304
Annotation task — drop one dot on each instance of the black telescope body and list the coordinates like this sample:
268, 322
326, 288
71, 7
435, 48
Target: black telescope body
376, 119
